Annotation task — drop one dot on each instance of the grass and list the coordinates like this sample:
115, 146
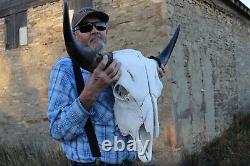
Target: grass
231, 149
34, 154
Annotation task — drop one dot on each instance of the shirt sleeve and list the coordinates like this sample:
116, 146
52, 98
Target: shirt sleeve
66, 114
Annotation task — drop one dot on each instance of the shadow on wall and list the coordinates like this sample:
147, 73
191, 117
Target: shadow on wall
23, 108
232, 148
24, 75
22, 115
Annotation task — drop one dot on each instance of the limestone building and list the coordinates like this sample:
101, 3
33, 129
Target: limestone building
207, 78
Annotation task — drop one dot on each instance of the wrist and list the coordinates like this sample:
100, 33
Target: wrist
87, 98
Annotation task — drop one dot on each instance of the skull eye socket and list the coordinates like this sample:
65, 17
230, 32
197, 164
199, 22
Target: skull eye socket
121, 92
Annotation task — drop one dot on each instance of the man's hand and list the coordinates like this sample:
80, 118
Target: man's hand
161, 71
100, 79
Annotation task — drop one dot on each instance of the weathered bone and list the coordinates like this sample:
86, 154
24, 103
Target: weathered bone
136, 94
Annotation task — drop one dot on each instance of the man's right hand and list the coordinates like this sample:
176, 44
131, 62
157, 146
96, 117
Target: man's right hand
100, 79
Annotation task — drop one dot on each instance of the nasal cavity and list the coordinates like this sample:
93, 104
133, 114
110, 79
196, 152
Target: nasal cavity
121, 92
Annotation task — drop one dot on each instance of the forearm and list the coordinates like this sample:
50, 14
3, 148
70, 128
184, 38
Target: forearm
68, 122
99, 80
67, 116
87, 98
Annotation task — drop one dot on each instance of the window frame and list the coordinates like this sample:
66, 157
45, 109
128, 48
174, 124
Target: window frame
13, 23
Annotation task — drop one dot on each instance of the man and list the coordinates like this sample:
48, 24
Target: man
68, 111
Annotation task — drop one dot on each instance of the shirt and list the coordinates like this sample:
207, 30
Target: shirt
67, 117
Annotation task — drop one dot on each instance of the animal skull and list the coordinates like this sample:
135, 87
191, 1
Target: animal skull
136, 93
137, 90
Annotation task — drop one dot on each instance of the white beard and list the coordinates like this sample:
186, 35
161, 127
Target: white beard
136, 94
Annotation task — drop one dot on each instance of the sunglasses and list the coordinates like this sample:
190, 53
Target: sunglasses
88, 27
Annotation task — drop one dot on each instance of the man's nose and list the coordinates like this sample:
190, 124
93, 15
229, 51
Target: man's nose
94, 30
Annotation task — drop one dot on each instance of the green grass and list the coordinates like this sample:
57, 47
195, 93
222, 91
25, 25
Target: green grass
231, 149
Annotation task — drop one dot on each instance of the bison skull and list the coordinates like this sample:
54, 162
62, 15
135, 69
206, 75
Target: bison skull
136, 93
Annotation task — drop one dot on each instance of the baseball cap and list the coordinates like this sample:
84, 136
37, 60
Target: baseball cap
81, 14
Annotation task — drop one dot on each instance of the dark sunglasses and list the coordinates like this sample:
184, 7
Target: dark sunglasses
88, 27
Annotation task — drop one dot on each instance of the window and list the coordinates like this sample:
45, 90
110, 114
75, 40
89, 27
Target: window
23, 36
16, 30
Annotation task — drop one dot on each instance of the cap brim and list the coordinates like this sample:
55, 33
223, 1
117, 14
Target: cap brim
101, 15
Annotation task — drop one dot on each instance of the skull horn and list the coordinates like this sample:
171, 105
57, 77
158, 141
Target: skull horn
166, 53
85, 57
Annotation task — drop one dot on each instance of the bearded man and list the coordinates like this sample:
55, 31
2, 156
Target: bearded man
68, 112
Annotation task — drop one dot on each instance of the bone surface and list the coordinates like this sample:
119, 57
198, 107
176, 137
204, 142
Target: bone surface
136, 94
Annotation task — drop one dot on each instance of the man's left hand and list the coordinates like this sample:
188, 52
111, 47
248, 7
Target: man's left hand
161, 71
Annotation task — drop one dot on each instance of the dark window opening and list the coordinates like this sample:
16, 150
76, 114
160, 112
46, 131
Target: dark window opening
13, 23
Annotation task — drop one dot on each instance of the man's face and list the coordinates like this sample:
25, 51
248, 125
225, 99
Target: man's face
94, 39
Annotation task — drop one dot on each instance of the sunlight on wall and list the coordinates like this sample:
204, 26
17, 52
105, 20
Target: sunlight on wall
4, 75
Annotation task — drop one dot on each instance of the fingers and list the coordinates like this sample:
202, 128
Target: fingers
103, 63
116, 76
113, 69
108, 75
162, 67
161, 71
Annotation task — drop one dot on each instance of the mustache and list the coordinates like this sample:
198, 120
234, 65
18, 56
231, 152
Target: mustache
96, 35
97, 41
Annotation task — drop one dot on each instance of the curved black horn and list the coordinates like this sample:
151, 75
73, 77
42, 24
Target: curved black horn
166, 53
85, 57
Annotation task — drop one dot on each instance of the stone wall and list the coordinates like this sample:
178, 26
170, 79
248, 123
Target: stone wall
25, 73
209, 66
207, 76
